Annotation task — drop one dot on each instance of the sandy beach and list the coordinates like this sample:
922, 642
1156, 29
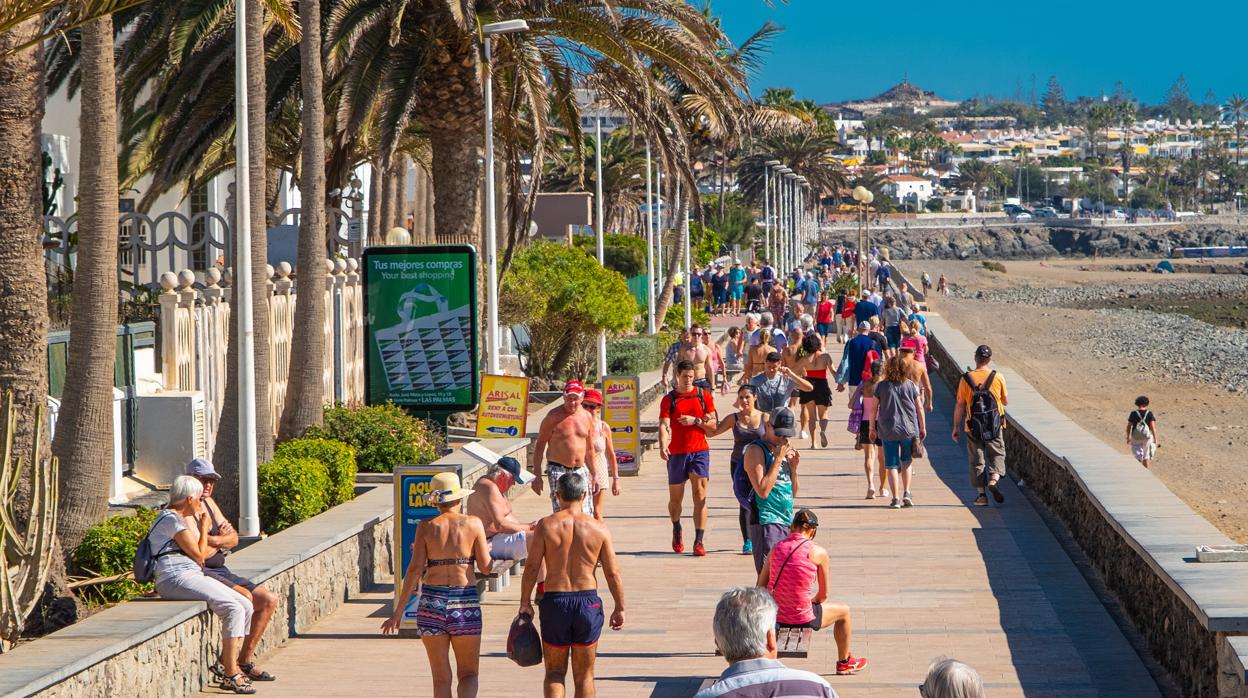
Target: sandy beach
1203, 426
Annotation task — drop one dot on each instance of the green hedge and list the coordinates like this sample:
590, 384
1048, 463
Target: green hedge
383, 436
108, 549
337, 457
630, 356
292, 490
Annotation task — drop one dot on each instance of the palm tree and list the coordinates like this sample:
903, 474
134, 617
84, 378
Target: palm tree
978, 176
1236, 110
84, 438
305, 394
1095, 120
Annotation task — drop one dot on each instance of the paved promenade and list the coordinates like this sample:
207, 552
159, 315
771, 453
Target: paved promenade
990, 586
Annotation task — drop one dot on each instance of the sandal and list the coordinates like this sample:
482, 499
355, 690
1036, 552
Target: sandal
239, 684
256, 675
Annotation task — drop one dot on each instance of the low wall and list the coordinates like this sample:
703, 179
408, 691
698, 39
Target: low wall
1139, 536
164, 648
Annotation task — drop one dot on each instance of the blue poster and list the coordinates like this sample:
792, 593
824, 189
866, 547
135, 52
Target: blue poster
411, 507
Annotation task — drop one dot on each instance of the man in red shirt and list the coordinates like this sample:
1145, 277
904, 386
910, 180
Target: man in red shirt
686, 416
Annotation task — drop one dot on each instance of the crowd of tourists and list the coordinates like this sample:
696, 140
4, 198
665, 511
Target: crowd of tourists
809, 337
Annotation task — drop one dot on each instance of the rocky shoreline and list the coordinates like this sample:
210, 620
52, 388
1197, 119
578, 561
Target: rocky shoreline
1035, 241
1202, 286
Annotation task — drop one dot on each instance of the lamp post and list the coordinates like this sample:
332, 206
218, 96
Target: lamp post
650, 328
658, 231
491, 224
249, 511
767, 205
782, 222
790, 199
599, 224
864, 197
803, 220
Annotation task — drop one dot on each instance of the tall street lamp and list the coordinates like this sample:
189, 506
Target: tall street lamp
248, 504
599, 224
650, 328
767, 202
782, 221
864, 197
488, 31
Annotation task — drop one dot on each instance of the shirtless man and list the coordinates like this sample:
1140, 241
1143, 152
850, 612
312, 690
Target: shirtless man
571, 544
692, 349
507, 535
569, 435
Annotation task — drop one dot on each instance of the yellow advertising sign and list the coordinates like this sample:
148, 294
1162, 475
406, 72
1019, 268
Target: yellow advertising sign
504, 407
620, 410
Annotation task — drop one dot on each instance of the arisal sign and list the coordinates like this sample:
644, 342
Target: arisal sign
420, 326
504, 407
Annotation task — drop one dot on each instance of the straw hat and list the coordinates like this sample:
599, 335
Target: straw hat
445, 488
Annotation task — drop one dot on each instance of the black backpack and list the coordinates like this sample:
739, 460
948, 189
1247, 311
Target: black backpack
145, 558
672, 398
984, 420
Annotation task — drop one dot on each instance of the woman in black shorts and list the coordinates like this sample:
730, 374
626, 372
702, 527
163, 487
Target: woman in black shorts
813, 363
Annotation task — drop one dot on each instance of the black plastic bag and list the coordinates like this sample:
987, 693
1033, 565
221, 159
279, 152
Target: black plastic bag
524, 645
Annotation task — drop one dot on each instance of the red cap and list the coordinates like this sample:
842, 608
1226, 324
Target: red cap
573, 387
593, 397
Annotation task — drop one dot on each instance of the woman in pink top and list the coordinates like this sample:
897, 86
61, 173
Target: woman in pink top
910, 337
789, 574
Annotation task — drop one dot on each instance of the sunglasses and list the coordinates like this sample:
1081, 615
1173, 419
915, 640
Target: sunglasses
591, 406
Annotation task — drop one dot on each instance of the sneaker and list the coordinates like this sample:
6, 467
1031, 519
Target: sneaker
678, 543
907, 500
870, 493
981, 500
996, 493
883, 493
748, 548
804, 435
895, 504
699, 550
850, 665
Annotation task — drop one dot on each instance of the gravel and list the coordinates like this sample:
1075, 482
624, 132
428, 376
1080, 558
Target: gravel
1186, 348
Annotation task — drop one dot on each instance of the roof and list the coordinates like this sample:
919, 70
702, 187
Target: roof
906, 178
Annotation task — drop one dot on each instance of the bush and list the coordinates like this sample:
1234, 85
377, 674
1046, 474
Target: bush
383, 436
291, 490
108, 549
994, 266
935, 205
337, 457
631, 356
674, 320
623, 253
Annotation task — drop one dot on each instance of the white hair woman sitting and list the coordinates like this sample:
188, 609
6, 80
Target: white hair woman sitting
949, 678
179, 540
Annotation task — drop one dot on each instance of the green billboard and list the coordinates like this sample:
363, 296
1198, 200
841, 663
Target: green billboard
420, 326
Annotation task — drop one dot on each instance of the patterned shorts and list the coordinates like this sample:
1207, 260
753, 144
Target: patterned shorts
444, 610
554, 471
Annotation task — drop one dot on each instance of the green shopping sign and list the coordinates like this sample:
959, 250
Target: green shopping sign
420, 325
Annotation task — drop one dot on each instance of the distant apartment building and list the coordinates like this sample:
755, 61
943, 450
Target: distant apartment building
909, 189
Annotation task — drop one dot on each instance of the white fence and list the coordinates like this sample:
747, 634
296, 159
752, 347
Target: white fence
194, 335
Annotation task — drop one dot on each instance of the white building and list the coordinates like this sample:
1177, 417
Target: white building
909, 189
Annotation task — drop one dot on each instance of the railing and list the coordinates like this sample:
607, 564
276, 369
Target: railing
194, 333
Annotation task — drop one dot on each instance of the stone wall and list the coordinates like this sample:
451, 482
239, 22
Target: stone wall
1166, 609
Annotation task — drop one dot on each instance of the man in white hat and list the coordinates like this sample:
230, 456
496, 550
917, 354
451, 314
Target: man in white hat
507, 535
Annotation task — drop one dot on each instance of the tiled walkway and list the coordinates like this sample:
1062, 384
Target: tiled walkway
988, 586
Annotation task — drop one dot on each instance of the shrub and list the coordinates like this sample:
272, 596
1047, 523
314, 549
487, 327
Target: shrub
108, 549
383, 436
337, 457
631, 356
623, 253
994, 266
674, 320
291, 490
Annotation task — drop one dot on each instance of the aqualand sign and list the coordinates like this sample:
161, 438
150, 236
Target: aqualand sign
504, 408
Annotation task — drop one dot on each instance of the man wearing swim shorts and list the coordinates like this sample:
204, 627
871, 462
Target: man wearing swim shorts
565, 440
686, 416
571, 544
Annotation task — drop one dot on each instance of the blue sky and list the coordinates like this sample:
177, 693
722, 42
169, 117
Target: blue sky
974, 48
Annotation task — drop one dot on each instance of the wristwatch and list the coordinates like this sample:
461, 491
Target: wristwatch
697, 421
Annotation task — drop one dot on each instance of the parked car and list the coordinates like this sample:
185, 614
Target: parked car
1012, 209
1021, 216
1044, 212
1117, 214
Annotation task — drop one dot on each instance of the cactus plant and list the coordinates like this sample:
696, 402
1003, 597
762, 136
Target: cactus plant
26, 550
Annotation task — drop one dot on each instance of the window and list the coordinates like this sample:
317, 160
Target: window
199, 228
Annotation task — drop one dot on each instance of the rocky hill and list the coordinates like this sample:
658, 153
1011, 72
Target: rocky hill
1023, 242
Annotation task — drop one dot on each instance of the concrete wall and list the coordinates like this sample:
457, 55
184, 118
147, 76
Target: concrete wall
1139, 536
164, 648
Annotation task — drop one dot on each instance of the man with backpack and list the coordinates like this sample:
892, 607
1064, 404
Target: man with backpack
1142, 432
686, 416
981, 408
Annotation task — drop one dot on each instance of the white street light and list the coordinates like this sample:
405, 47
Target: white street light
767, 202
249, 511
650, 328
598, 230
491, 225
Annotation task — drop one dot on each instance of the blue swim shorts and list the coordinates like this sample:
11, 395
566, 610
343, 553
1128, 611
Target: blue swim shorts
570, 618
681, 465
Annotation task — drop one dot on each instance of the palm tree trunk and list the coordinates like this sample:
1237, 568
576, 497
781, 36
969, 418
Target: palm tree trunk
420, 184
84, 435
400, 194
676, 263
225, 451
24, 300
272, 188
305, 394
385, 213
375, 224
431, 229
24, 296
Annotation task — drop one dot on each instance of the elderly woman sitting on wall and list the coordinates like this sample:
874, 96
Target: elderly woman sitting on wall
179, 539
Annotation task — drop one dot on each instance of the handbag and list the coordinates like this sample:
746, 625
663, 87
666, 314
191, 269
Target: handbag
916, 447
854, 423
932, 364
524, 645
